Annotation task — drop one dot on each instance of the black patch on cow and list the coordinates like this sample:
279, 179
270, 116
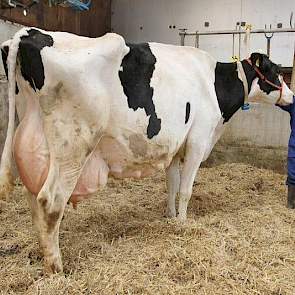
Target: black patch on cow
32, 68
229, 88
137, 70
4, 53
187, 112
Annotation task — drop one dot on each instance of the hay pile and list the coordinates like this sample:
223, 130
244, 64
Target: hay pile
239, 239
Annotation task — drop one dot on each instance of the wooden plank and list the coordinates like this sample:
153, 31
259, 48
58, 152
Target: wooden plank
5, 13
30, 19
68, 17
51, 18
92, 23
40, 15
97, 21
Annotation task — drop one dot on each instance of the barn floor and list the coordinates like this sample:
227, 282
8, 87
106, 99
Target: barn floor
239, 239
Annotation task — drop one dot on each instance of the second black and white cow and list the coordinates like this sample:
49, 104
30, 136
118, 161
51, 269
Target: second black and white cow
94, 108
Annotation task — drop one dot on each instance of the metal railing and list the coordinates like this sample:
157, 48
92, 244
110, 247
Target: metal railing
183, 33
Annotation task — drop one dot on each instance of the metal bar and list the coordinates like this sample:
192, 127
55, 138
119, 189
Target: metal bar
197, 44
268, 47
239, 57
229, 32
182, 36
233, 50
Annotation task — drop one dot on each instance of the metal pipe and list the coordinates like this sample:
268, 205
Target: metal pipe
197, 41
233, 50
235, 32
182, 36
239, 57
268, 47
268, 38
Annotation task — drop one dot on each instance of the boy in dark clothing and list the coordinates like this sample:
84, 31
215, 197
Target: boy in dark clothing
291, 157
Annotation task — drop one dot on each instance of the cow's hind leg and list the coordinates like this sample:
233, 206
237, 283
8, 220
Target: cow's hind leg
6, 185
47, 212
193, 158
172, 182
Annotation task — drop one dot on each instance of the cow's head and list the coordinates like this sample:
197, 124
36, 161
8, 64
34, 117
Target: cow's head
268, 85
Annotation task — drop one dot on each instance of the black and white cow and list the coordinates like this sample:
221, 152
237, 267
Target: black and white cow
94, 108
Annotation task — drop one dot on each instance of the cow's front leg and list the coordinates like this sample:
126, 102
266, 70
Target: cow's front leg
192, 161
172, 182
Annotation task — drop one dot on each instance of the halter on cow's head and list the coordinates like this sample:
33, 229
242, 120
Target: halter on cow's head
268, 84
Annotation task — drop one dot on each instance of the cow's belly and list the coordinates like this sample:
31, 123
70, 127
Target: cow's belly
133, 155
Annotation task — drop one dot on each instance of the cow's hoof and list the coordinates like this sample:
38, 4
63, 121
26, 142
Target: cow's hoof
181, 218
6, 187
52, 265
170, 213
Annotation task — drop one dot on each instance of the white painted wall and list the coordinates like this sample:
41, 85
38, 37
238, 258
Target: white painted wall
155, 16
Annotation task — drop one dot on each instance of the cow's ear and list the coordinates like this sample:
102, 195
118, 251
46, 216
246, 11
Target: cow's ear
256, 59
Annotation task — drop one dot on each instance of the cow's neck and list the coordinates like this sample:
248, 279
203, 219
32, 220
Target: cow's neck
229, 88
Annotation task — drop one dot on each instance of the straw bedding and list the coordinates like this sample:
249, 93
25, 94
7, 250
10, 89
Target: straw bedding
239, 239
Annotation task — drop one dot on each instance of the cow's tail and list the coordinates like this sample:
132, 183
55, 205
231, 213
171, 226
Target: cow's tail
6, 175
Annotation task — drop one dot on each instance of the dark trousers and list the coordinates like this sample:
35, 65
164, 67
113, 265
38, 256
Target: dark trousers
291, 196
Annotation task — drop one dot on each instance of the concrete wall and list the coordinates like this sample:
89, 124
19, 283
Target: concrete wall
258, 137
141, 20
263, 125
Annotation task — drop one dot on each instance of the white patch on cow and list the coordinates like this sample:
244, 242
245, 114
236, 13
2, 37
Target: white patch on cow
258, 95
217, 132
172, 182
287, 95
